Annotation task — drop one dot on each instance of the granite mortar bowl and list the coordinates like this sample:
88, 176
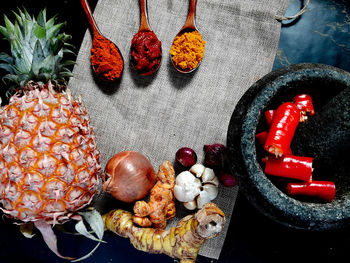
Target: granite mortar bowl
323, 83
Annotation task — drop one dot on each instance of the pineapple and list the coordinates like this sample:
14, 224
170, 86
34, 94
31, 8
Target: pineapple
49, 164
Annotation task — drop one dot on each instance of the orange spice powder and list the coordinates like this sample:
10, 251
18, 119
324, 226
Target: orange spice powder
187, 50
106, 59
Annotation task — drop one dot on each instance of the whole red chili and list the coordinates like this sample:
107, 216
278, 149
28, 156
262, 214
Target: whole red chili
321, 189
295, 167
304, 104
282, 129
269, 116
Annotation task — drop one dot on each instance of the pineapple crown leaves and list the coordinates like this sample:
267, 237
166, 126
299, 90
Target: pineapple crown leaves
37, 49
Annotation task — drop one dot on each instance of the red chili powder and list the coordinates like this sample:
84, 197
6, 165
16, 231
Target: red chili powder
146, 52
106, 59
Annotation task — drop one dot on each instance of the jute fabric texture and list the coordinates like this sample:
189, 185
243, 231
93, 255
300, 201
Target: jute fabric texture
158, 115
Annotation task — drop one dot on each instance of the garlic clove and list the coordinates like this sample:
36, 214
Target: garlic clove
190, 205
214, 181
197, 169
202, 199
211, 190
208, 175
187, 187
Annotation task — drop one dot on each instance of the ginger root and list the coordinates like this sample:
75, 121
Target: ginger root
161, 205
182, 241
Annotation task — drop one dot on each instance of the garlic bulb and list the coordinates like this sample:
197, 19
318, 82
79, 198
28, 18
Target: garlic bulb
196, 187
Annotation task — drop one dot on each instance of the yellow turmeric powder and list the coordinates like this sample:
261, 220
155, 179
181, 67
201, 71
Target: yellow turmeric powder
187, 50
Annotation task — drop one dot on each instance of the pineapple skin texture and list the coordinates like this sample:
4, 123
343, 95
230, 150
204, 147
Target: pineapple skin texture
49, 163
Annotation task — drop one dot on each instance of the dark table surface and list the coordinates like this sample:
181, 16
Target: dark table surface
321, 35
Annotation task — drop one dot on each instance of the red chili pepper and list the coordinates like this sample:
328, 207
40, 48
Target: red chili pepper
304, 104
261, 137
295, 167
282, 129
322, 189
269, 116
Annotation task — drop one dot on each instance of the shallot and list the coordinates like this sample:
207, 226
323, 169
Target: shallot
186, 157
130, 176
215, 155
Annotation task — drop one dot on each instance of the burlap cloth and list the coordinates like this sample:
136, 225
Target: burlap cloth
158, 115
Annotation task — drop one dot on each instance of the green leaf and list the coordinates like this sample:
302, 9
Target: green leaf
51, 21
27, 14
21, 14
5, 33
66, 73
22, 60
17, 31
18, 17
47, 65
38, 58
8, 24
81, 229
68, 51
7, 67
10, 78
66, 63
39, 31
53, 30
41, 19
45, 76
94, 219
6, 57
47, 48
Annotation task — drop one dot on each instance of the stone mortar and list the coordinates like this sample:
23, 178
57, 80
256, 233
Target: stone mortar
323, 83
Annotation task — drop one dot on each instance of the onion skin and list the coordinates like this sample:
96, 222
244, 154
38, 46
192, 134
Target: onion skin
130, 176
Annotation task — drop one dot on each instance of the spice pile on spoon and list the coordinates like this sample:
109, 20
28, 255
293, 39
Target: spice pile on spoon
187, 50
146, 49
106, 58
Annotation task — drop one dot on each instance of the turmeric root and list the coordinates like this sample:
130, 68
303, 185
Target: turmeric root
182, 241
161, 205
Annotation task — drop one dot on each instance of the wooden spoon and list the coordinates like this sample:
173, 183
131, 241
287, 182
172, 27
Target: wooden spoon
145, 27
189, 26
96, 32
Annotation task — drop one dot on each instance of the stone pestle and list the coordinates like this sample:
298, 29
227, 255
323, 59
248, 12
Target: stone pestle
326, 137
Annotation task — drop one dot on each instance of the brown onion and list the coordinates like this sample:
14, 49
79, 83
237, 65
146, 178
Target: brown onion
130, 176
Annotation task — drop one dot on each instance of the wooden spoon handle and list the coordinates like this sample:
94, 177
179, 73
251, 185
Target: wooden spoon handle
144, 26
90, 17
190, 22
